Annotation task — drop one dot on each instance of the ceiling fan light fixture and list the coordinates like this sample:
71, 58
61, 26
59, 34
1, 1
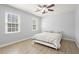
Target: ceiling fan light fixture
45, 8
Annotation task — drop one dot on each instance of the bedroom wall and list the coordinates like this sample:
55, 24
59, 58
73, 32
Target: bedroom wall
63, 22
26, 25
77, 26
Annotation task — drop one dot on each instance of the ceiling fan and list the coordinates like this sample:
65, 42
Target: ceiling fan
45, 8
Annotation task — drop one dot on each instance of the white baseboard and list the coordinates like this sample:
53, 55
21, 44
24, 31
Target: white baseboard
76, 42
68, 39
10, 43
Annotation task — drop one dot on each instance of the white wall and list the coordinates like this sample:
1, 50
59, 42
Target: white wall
61, 22
77, 26
62, 19
67, 22
26, 25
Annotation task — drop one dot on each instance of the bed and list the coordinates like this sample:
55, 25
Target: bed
48, 39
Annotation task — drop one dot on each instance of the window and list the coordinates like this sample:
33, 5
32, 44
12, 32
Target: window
12, 23
35, 24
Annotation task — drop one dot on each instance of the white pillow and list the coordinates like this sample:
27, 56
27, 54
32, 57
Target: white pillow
54, 31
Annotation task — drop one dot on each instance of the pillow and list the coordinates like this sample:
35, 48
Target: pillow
60, 32
49, 31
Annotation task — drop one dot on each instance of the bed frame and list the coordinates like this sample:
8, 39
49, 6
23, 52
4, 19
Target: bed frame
45, 43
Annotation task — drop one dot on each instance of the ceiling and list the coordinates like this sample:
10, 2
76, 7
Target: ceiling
58, 8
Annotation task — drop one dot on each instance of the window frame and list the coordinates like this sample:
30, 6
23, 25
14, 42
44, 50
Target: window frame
34, 24
6, 22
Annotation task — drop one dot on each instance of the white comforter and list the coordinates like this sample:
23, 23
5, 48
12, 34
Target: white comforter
53, 38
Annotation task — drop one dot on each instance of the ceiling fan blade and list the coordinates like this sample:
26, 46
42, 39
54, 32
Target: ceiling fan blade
50, 10
40, 6
50, 5
37, 10
44, 5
